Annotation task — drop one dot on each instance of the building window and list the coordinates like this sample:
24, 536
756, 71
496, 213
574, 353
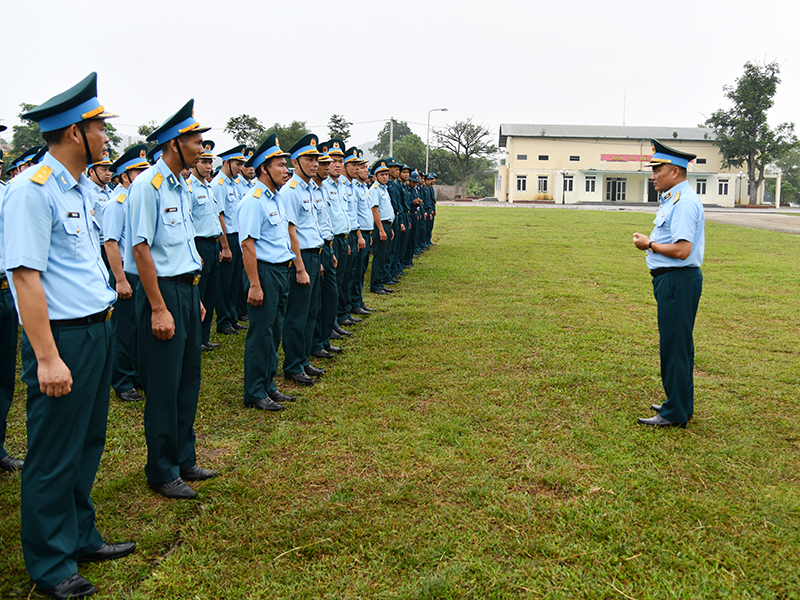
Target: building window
574, 158
542, 183
568, 179
522, 183
544, 157
722, 190
701, 161
701, 187
522, 157
590, 184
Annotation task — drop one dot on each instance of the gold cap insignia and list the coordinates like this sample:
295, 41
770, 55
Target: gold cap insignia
313, 142
335, 144
208, 147
277, 143
143, 154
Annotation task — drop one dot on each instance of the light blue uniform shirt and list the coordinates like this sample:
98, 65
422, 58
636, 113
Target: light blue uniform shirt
243, 186
205, 210
51, 230
680, 216
161, 217
321, 212
337, 206
2, 194
114, 219
379, 196
365, 220
102, 196
263, 219
227, 194
297, 200
352, 200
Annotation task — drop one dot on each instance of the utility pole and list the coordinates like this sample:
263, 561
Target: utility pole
391, 136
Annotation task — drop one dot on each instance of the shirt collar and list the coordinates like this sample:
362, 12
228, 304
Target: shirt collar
65, 180
172, 180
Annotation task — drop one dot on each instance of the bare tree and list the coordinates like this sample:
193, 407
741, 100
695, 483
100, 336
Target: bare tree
465, 140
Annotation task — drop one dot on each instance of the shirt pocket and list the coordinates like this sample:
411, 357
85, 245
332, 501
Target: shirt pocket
72, 244
172, 228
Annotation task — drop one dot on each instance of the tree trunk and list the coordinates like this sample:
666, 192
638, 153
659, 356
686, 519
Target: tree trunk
751, 178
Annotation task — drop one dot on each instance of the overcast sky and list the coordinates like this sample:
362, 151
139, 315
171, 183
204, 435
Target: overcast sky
565, 62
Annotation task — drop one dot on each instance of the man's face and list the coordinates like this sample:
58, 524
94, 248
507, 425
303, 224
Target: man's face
336, 166
248, 173
185, 173
394, 172
103, 174
310, 164
97, 139
278, 171
323, 170
383, 177
429, 182
351, 169
404, 175
236, 167
204, 167
191, 147
664, 177
363, 171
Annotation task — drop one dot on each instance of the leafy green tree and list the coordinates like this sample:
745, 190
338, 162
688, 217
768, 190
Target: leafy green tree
401, 130
411, 151
27, 133
339, 127
143, 130
789, 167
114, 140
743, 135
246, 130
288, 135
466, 141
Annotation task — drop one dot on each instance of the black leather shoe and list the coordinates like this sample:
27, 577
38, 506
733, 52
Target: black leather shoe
213, 344
240, 327
380, 292
335, 349
108, 552
73, 586
196, 473
368, 309
659, 421
321, 354
266, 404
394, 281
388, 290
355, 319
313, 371
205, 348
341, 331
336, 336
245, 318
228, 331
175, 489
360, 311
300, 378
130, 395
655, 407
347, 322
11, 464
280, 397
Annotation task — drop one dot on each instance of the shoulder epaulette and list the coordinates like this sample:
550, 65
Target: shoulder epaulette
293, 184
219, 180
237, 180
677, 197
257, 193
42, 175
156, 181
375, 185
121, 198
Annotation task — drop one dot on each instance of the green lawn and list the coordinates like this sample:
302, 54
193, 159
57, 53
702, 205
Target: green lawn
478, 438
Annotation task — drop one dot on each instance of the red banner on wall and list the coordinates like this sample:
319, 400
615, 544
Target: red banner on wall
626, 157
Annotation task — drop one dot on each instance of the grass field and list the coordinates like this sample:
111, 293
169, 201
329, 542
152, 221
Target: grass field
478, 438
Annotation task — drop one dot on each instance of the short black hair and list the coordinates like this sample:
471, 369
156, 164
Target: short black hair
55, 136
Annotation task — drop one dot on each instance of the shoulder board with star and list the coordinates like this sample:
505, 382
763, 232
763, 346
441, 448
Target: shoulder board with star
157, 180
677, 197
121, 198
220, 181
293, 184
237, 180
42, 175
257, 193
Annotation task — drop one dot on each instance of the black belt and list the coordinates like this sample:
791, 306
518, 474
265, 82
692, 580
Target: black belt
354, 232
312, 250
328, 242
286, 263
190, 278
662, 270
341, 235
102, 316
213, 239
386, 222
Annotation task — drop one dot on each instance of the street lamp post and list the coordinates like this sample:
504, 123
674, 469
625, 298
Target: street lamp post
428, 139
563, 183
740, 177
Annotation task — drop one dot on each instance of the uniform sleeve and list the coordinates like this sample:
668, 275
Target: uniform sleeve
684, 222
249, 215
113, 221
291, 202
28, 224
142, 212
373, 197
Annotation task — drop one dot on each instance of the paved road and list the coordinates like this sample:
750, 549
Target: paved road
787, 221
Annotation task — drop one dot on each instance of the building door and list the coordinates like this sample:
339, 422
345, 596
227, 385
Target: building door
652, 194
616, 189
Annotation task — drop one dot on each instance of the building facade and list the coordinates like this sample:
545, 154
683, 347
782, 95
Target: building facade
600, 163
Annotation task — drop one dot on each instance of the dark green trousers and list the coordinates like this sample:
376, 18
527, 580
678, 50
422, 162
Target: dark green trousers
328, 302
171, 380
345, 291
301, 314
229, 282
125, 363
264, 334
362, 262
65, 441
208, 249
380, 251
9, 328
678, 295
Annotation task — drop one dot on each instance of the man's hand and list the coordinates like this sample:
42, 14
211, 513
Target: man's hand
225, 255
335, 262
163, 324
382, 234
402, 228
124, 289
255, 295
362, 243
202, 312
303, 278
55, 379
641, 241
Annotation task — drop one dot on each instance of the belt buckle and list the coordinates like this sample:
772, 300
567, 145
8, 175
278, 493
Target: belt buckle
291, 262
196, 280
4, 284
108, 314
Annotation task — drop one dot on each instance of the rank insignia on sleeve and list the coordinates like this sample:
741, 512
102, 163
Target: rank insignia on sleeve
42, 175
157, 180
